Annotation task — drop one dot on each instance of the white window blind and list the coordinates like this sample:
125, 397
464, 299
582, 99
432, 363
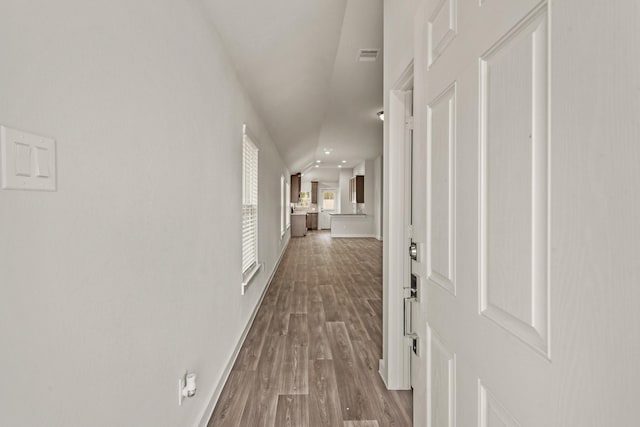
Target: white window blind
287, 213
249, 204
282, 207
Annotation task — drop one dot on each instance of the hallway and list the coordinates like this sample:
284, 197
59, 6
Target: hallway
311, 356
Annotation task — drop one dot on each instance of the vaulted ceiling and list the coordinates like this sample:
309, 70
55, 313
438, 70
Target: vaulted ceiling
298, 60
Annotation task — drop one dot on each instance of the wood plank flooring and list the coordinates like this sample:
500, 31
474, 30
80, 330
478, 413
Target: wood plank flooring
311, 356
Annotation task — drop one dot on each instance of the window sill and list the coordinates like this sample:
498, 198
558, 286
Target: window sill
248, 277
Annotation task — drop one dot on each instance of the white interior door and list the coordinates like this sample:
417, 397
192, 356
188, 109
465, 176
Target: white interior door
327, 207
484, 147
519, 238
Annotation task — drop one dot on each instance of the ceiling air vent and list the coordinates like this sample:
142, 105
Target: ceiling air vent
368, 55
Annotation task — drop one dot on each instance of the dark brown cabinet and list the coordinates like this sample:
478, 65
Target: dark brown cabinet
356, 189
312, 221
314, 192
296, 181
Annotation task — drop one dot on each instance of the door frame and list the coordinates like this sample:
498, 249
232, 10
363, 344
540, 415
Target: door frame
395, 363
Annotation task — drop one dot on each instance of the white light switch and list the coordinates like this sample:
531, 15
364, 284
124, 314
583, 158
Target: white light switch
28, 160
23, 159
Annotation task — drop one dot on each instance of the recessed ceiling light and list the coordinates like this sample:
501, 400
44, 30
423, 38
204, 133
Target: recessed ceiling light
344, 161
317, 166
318, 161
327, 152
339, 166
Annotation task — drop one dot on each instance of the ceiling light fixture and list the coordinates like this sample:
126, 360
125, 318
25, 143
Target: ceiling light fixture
318, 161
317, 166
381, 115
339, 166
344, 161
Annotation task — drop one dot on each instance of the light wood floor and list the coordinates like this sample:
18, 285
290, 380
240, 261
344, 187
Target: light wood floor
311, 356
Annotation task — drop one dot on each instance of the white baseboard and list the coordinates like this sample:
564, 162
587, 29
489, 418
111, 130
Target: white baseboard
381, 370
213, 400
354, 236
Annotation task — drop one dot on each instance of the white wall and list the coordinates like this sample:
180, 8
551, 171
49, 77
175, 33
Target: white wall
359, 169
305, 185
129, 274
372, 193
369, 188
378, 197
345, 201
399, 18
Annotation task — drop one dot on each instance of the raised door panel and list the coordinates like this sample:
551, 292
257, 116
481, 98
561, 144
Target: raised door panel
442, 28
492, 413
441, 197
441, 382
513, 176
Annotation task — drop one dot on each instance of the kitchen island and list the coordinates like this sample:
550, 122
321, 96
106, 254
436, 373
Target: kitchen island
351, 225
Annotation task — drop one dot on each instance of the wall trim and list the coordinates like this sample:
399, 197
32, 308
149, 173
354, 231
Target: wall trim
382, 368
354, 236
395, 352
213, 400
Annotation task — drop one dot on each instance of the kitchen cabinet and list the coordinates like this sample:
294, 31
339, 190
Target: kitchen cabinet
314, 192
356, 189
296, 181
298, 225
312, 220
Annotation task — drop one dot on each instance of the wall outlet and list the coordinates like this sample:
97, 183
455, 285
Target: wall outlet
186, 386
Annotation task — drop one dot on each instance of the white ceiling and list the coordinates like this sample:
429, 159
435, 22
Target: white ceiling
297, 60
321, 175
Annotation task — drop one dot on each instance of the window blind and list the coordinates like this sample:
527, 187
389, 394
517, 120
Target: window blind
287, 195
249, 204
282, 206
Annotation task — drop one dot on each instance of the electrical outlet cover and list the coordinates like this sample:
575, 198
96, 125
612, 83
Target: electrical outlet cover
28, 160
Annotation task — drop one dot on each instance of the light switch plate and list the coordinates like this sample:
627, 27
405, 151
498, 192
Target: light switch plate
28, 161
